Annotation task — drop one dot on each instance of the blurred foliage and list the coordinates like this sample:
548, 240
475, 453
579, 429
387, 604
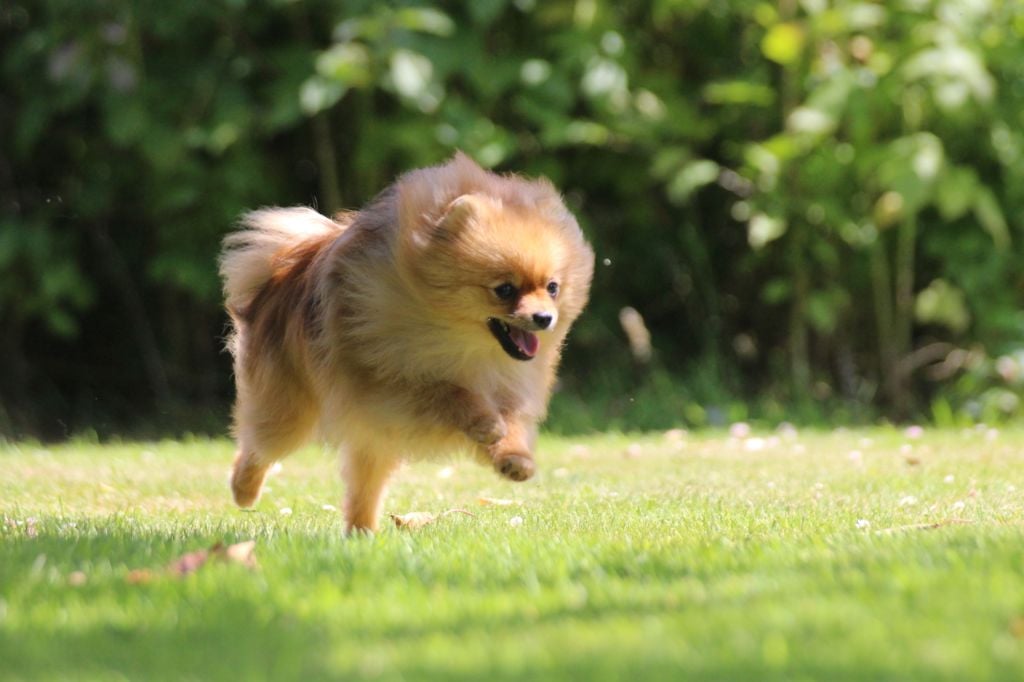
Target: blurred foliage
815, 206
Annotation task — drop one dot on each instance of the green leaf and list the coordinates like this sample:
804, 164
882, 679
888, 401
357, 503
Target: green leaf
764, 229
956, 192
823, 311
943, 304
319, 93
425, 20
739, 92
783, 43
692, 176
347, 63
990, 215
776, 291
911, 167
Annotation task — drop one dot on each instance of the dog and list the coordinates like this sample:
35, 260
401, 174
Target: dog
431, 321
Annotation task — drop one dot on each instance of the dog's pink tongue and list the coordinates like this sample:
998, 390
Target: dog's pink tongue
526, 341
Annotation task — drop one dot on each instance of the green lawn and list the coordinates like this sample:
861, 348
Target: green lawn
705, 557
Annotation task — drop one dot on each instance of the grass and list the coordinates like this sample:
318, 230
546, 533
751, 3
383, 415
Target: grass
774, 557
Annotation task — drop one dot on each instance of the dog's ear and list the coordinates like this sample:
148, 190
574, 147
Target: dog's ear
456, 216
459, 214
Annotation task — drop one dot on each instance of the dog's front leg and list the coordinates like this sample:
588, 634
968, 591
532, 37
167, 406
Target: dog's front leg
463, 410
512, 455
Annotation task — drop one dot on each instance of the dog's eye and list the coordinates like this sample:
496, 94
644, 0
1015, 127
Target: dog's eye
553, 289
505, 292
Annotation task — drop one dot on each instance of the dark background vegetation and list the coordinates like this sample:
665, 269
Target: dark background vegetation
816, 207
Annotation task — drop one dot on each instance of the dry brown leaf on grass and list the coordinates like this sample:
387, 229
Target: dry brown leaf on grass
496, 502
190, 563
923, 526
413, 520
239, 553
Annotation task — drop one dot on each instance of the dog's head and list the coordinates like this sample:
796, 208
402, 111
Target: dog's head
505, 258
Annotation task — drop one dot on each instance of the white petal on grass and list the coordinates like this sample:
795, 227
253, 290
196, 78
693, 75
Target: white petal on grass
580, 451
515, 521
863, 523
787, 431
739, 430
914, 431
285, 511
907, 501
329, 508
675, 435
755, 444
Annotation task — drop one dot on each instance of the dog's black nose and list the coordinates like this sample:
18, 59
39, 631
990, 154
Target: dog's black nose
542, 320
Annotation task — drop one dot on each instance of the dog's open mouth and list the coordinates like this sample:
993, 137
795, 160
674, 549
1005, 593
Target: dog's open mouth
518, 343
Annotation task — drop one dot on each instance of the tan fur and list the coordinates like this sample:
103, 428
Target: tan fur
371, 329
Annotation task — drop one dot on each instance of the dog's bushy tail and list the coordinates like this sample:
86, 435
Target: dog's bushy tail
247, 261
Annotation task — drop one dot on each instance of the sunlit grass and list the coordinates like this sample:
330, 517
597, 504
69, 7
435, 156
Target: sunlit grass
770, 556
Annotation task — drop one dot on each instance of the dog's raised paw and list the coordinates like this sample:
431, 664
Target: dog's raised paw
515, 467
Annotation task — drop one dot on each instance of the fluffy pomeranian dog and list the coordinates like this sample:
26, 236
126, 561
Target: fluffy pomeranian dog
431, 321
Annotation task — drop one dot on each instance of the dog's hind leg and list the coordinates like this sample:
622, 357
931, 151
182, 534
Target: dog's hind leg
270, 424
366, 476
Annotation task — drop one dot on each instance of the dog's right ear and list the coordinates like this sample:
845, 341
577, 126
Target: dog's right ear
460, 213
445, 227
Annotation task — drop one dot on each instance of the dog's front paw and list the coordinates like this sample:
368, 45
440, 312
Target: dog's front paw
487, 429
516, 467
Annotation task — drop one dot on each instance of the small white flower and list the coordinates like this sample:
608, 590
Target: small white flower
958, 506
675, 435
446, 472
329, 508
787, 430
739, 430
907, 501
863, 523
286, 511
515, 521
949, 478
914, 431
754, 444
